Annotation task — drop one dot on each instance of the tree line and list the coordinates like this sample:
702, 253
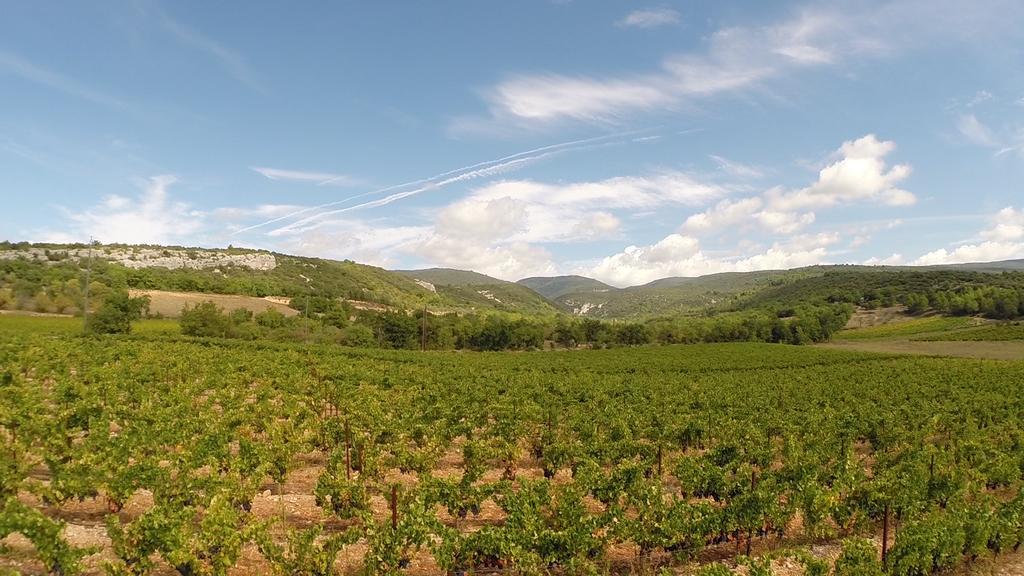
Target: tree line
331, 321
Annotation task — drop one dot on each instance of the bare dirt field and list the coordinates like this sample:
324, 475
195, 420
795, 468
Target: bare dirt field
867, 318
170, 304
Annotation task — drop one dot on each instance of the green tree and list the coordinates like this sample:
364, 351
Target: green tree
116, 314
205, 319
632, 334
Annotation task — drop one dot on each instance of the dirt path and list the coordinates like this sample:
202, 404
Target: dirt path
1010, 350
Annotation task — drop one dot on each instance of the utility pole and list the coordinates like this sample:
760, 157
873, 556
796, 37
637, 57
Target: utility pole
85, 303
305, 323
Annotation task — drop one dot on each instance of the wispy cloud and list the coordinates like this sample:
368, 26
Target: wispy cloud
976, 132
326, 178
477, 170
737, 169
231, 61
650, 18
735, 59
739, 59
27, 70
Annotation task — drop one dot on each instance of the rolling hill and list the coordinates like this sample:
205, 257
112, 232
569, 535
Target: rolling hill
47, 276
32, 269
475, 290
733, 290
587, 297
556, 286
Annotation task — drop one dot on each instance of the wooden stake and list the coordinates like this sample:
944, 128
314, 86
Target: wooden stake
885, 534
753, 486
659, 461
348, 452
394, 507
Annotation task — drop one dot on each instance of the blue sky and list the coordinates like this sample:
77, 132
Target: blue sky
627, 141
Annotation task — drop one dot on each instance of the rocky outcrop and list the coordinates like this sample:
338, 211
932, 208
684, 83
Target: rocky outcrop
172, 259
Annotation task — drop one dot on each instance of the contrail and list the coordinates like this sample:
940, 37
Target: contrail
478, 173
443, 179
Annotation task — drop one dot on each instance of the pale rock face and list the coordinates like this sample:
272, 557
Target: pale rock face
584, 308
487, 294
172, 259
427, 285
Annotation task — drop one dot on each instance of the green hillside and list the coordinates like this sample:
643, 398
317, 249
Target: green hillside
874, 287
47, 278
552, 287
871, 285
478, 291
670, 296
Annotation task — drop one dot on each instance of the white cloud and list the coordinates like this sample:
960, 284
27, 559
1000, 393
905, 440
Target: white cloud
527, 211
553, 96
504, 221
725, 214
746, 214
483, 220
976, 132
1003, 240
374, 243
632, 192
596, 225
983, 252
892, 260
680, 255
735, 59
740, 58
306, 176
235, 216
650, 18
149, 218
508, 262
1008, 225
859, 174
485, 169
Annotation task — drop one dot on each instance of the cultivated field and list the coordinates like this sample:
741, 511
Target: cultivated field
205, 456
170, 304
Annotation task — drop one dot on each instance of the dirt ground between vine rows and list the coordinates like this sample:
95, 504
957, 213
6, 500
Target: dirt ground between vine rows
1007, 350
294, 503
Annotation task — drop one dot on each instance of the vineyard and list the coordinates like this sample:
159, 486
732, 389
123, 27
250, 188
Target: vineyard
989, 333
910, 328
132, 455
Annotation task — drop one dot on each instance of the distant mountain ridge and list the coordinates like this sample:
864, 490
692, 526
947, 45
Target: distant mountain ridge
687, 295
488, 292
555, 286
262, 273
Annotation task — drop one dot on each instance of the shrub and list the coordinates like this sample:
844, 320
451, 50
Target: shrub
116, 314
206, 319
